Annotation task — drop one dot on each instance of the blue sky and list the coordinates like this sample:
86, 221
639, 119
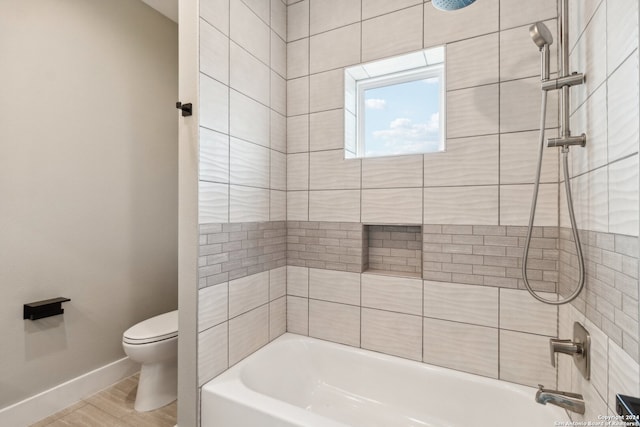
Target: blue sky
402, 118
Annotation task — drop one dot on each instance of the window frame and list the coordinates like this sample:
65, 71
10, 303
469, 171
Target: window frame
391, 79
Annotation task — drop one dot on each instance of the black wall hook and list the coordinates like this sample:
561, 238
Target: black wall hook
187, 109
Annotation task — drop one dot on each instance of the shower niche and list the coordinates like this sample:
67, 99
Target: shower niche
394, 250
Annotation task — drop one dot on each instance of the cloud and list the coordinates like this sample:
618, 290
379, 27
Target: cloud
375, 104
432, 81
404, 128
400, 123
403, 136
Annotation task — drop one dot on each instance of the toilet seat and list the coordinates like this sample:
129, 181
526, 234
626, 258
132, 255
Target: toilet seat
158, 328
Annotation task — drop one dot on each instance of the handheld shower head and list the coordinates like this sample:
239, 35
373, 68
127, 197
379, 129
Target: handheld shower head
540, 35
451, 4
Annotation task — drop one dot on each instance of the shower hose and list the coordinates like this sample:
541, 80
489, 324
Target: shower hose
572, 217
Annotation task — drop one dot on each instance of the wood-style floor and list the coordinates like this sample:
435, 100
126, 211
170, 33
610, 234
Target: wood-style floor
112, 407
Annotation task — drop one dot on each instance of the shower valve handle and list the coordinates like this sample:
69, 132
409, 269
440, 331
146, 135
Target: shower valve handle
563, 346
579, 348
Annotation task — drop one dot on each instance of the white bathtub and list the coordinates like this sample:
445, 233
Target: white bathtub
301, 381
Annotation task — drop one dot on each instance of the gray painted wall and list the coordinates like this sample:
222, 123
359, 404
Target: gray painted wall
88, 182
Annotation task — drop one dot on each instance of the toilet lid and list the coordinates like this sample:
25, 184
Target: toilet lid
161, 327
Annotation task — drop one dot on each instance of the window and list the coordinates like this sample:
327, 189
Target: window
395, 106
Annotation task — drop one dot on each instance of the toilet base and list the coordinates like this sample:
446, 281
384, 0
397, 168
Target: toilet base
157, 386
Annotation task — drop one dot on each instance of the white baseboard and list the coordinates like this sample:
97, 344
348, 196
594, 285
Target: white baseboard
49, 402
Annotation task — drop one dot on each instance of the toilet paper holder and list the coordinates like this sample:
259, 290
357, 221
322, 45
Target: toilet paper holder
45, 308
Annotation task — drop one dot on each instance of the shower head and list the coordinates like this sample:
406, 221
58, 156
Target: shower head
540, 35
451, 4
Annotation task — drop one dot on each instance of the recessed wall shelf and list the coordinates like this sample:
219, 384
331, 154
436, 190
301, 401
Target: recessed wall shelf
44, 308
394, 250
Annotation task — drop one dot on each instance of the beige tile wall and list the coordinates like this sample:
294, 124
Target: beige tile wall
237, 317
481, 179
241, 300
484, 178
605, 173
490, 185
610, 297
490, 255
613, 370
426, 321
243, 103
326, 245
243, 179
492, 110
604, 179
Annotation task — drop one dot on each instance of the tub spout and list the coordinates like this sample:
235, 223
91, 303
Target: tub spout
573, 402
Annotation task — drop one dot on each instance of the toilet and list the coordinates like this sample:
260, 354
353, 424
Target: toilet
154, 344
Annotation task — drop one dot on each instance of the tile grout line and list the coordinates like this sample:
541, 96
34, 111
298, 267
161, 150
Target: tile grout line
308, 114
